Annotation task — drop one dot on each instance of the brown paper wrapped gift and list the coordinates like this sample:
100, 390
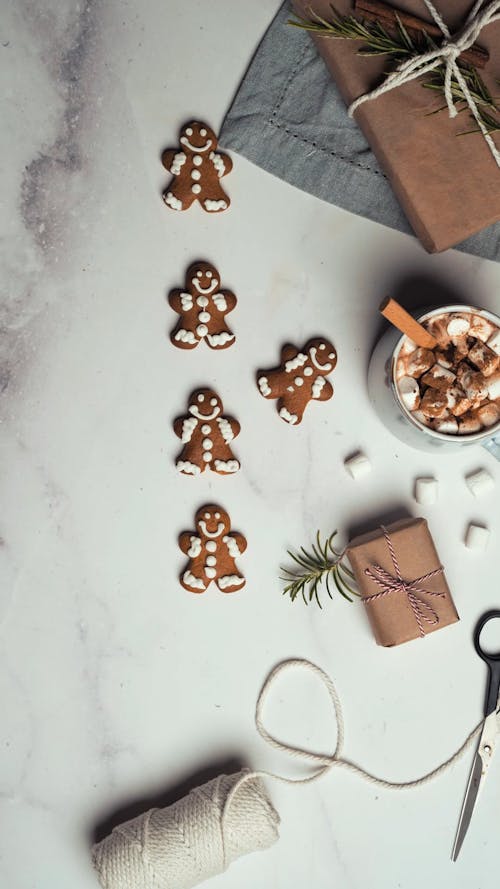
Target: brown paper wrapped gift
402, 583
448, 185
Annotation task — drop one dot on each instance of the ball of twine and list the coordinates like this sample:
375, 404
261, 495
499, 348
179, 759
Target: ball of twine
197, 837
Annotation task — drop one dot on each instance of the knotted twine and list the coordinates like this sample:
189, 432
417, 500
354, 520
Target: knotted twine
412, 589
200, 835
446, 54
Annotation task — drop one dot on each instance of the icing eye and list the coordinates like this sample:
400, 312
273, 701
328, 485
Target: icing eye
201, 398
213, 402
332, 355
189, 131
203, 132
322, 346
217, 515
207, 515
208, 274
199, 274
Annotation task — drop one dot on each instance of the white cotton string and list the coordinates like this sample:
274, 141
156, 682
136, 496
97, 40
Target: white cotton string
325, 763
446, 54
181, 846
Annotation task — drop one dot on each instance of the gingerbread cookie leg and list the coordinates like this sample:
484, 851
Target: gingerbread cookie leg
215, 199
230, 583
177, 198
220, 339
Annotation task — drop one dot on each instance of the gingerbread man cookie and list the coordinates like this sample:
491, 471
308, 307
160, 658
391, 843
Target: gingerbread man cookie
212, 551
206, 435
197, 169
300, 377
202, 307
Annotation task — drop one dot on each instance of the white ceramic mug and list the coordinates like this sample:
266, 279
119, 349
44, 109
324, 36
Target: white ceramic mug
385, 399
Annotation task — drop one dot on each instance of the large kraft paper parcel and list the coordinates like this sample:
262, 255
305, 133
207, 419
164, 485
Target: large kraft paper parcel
448, 184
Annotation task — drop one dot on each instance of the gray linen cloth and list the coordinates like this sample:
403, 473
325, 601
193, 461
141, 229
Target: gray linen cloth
288, 118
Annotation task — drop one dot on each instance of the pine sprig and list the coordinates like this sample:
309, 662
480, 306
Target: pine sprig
322, 565
399, 45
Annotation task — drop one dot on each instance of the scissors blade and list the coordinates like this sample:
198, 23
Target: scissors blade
478, 773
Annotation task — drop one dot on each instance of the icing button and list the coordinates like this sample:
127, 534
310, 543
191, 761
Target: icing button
202, 330
204, 317
202, 301
195, 174
207, 456
206, 444
211, 546
205, 429
197, 160
196, 188
308, 371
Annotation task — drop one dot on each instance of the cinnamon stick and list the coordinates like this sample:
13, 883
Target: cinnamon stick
378, 11
405, 322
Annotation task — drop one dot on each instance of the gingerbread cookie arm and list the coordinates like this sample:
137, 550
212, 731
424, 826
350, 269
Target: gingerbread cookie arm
326, 391
185, 542
176, 298
225, 300
178, 424
272, 383
168, 157
222, 163
229, 428
237, 543
288, 353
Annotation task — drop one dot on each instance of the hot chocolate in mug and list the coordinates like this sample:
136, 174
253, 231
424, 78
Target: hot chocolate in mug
386, 399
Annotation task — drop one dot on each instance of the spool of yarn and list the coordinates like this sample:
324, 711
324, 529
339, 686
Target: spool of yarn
195, 838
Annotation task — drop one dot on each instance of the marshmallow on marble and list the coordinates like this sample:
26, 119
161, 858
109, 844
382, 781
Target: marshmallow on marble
426, 490
477, 537
494, 342
358, 465
409, 392
479, 482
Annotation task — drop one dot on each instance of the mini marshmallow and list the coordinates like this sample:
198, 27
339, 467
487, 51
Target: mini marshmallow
418, 362
358, 465
409, 392
426, 490
448, 426
488, 414
479, 482
481, 328
418, 415
494, 387
438, 377
434, 403
457, 326
467, 424
477, 537
494, 342
484, 358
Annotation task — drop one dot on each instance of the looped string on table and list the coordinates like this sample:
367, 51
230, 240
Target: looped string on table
324, 763
447, 54
412, 589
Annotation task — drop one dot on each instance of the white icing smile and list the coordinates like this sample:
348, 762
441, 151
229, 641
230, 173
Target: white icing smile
196, 148
317, 364
201, 416
200, 289
220, 528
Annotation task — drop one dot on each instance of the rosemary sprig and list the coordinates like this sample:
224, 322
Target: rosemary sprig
322, 565
400, 46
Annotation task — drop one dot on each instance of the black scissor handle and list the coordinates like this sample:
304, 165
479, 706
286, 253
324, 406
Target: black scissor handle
492, 660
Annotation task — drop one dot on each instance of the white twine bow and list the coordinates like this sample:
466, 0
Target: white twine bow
446, 54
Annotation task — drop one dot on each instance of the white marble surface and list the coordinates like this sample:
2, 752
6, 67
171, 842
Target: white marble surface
115, 683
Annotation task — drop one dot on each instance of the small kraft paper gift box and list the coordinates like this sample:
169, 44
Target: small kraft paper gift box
402, 581
447, 183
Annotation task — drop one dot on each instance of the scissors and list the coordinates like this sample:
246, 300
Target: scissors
489, 735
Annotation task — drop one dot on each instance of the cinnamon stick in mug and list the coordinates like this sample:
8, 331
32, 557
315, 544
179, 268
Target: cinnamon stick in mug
404, 322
